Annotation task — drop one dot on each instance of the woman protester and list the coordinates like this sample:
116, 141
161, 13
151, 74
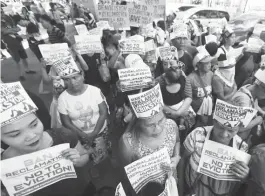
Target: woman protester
83, 110
26, 134
201, 84
221, 132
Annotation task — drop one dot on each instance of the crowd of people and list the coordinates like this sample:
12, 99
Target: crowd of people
89, 105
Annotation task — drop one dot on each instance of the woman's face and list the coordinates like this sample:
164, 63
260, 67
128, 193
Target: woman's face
223, 134
45, 23
74, 83
24, 134
180, 42
204, 67
231, 40
154, 126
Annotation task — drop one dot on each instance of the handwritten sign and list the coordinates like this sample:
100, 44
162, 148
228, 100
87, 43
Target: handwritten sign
231, 115
129, 46
66, 67
140, 14
166, 53
26, 174
88, 44
95, 31
81, 29
116, 15
147, 169
119, 190
148, 103
134, 78
216, 160
159, 8
54, 52
15, 102
254, 45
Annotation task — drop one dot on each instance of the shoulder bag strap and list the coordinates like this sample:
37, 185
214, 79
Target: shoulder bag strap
202, 85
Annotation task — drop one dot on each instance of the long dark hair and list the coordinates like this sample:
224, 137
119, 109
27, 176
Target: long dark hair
32, 28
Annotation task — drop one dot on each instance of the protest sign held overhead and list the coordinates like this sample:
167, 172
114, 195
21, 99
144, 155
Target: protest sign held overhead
148, 103
159, 8
134, 78
66, 67
132, 46
29, 173
88, 44
166, 53
216, 160
119, 190
147, 169
81, 29
254, 45
232, 116
95, 31
54, 52
140, 14
116, 15
15, 102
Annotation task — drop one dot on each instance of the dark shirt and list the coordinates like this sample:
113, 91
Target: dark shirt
56, 35
186, 59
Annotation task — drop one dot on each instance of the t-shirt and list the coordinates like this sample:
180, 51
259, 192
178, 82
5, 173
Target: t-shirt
197, 90
55, 35
83, 109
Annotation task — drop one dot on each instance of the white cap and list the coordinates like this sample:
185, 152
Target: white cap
260, 75
134, 61
202, 56
179, 30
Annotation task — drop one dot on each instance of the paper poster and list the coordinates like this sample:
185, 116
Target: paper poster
15, 102
140, 14
258, 29
231, 115
88, 44
81, 29
54, 52
116, 15
159, 8
129, 46
134, 78
254, 45
103, 24
148, 103
216, 160
95, 31
66, 67
149, 45
28, 173
166, 53
147, 169
119, 190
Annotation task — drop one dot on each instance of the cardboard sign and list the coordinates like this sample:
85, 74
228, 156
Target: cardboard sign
66, 67
119, 190
159, 8
166, 53
231, 115
116, 15
28, 173
103, 24
81, 29
95, 31
147, 169
148, 103
149, 45
15, 102
216, 160
54, 52
134, 78
129, 46
140, 14
88, 44
254, 45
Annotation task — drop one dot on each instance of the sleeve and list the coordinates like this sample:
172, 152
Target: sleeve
188, 89
59, 33
61, 105
190, 142
98, 95
217, 85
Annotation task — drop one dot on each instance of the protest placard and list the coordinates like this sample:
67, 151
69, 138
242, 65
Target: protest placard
15, 102
103, 24
130, 46
28, 173
166, 53
147, 169
159, 8
254, 45
149, 45
134, 78
148, 103
231, 115
81, 29
66, 66
140, 14
88, 44
54, 52
216, 160
116, 15
119, 190
95, 31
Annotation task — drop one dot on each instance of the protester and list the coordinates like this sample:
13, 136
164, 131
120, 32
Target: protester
201, 84
34, 8
9, 33
87, 119
57, 16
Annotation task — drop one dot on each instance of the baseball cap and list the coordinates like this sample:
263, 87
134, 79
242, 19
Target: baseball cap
134, 61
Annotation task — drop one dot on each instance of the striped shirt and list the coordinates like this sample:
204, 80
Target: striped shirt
195, 141
56, 35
